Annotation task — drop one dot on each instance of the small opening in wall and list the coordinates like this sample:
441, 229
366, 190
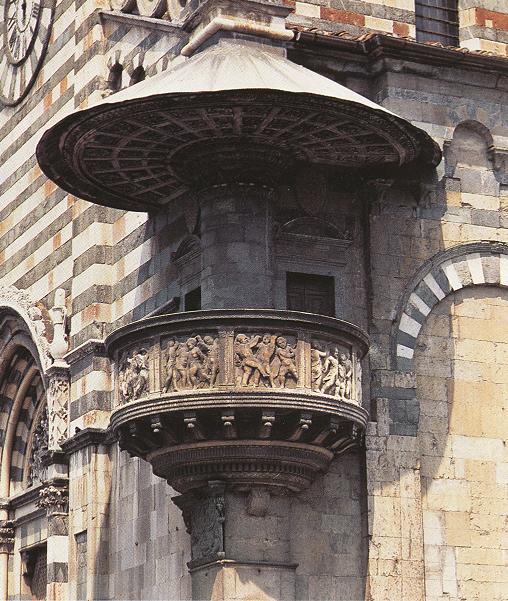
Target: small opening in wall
137, 75
192, 300
310, 293
115, 77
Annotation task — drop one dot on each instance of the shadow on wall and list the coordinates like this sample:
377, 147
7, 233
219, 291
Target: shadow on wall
462, 376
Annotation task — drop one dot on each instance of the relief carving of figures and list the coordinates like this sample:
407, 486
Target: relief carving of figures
268, 360
36, 472
133, 375
331, 372
192, 364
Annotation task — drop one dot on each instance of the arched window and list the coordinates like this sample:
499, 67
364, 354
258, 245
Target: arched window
437, 21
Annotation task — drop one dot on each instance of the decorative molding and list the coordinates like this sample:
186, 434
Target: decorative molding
54, 497
480, 263
7, 534
86, 438
21, 303
58, 398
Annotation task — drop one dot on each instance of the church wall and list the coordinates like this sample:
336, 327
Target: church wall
116, 267
462, 431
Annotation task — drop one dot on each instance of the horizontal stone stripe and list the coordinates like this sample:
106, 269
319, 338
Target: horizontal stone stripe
84, 93
98, 277
49, 266
62, 65
28, 128
38, 249
93, 401
100, 255
41, 214
96, 234
92, 382
13, 164
89, 364
96, 293
95, 213
53, 280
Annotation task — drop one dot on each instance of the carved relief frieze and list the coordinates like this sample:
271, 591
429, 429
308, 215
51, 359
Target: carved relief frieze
239, 357
265, 360
39, 448
58, 402
192, 363
133, 374
331, 371
7, 533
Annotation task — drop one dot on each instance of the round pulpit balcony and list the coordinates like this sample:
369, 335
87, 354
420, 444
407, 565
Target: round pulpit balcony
245, 397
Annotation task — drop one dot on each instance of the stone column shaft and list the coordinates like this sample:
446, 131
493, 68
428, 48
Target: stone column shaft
236, 238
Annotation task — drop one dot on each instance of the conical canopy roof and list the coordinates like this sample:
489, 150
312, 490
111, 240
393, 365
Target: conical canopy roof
124, 151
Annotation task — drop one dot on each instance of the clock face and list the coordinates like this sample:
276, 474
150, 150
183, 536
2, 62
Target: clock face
26, 28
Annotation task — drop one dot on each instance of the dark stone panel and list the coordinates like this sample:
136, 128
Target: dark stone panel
40, 270
485, 218
94, 294
415, 313
442, 280
101, 255
97, 399
426, 294
87, 364
403, 429
405, 339
37, 241
58, 572
396, 394
58, 525
94, 214
34, 98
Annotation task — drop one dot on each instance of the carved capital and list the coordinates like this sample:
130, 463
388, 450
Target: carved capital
204, 514
6, 536
54, 498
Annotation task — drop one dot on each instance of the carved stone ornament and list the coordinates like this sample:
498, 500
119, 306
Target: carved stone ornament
60, 344
24, 305
332, 372
39, 448
267, 360
54, 499
58, 402
192, 364
133, 375
204, 516
7, 534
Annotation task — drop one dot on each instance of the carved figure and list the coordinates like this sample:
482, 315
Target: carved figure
283, 366
192, 364
133, 376
196, 359
316, 368
264, 354
346, 375
334, 375
36, 470
211, 365
331, 369
248, 362
171, 371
